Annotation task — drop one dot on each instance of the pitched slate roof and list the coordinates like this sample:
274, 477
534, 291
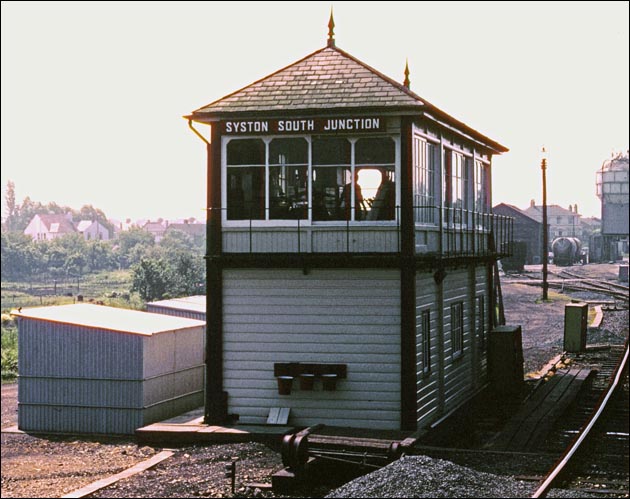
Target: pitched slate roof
57, 223
326, 80
502, 207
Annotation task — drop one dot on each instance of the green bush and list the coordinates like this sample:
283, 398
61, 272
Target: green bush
9, 351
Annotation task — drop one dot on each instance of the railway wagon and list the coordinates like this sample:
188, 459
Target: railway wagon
566, 250
351, 249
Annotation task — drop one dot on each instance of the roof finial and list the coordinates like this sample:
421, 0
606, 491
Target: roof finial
331, 32
406, 82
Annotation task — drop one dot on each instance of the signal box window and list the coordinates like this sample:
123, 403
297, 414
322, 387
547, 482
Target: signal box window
288, 179
246, 179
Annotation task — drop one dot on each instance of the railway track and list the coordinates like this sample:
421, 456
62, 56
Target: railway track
570, 281
595, 432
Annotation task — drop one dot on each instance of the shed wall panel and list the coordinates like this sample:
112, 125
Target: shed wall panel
73, 378
67, 350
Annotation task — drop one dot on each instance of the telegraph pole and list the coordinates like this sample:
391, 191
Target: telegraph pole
545, 243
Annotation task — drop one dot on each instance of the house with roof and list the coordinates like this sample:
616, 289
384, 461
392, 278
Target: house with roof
93, 230
156, 229
527, 231
45, 227
351, 241
561, 221
197, 231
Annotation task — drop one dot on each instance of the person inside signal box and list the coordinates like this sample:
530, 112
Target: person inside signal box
359, 206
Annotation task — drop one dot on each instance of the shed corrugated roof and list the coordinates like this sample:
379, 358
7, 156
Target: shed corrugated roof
110, 318
196, 303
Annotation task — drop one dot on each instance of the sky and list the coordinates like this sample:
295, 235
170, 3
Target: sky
94, 93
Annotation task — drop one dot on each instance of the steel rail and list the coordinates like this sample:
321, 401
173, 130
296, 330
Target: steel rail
542, 490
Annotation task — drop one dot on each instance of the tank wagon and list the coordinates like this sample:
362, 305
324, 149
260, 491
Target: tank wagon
566, 250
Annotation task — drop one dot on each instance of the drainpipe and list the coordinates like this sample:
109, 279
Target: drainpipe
215, 412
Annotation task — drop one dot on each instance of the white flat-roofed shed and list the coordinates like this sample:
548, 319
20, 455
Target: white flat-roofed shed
86, 368
193, 307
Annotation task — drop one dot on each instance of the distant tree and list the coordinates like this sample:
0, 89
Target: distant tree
175, 242
151, 279
67, 255
25, 213
188, 276
132, 246
100, 256
20, 256
11, 207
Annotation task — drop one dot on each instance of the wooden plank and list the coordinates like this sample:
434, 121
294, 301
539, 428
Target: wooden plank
544, 426
278, 415
528, 428
138, 468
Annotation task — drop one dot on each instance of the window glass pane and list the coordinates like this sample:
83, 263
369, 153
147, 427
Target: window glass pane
288, 192
457, 328
426, 341
331, 193
246, 152
374, 151
331, 151
246, 179
331, 173
246, 193
376, 185
288, 152
288, 178
425, 156
380, 195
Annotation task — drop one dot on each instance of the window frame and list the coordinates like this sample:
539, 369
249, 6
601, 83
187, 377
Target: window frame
309, 221
425, 332
457, 330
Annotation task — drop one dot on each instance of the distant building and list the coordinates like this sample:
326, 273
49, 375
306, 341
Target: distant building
93, 230
613, 188
120, 226
561, 221
590, 226
526, 229
197, 231
46, 227
156, 229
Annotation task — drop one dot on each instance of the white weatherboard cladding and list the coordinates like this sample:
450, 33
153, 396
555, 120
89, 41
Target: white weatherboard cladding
482, 289
427, 389
349, 316
458, 371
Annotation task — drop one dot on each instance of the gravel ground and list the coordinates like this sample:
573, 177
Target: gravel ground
422, 476
46, 466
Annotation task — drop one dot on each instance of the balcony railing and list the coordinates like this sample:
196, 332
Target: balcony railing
450, 232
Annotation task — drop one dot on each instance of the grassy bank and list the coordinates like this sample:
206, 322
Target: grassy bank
107, 288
